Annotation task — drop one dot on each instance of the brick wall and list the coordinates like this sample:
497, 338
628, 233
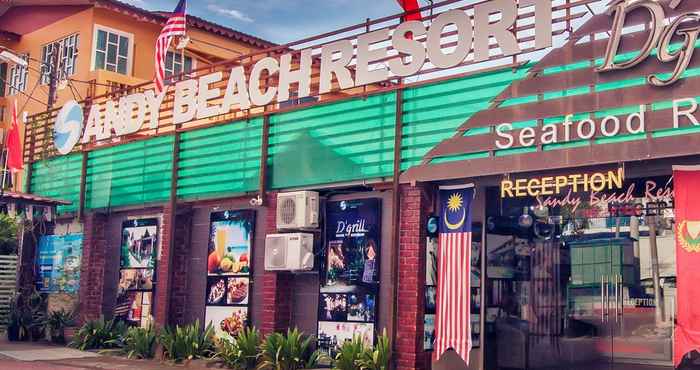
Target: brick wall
277, 287
92, 270
415, 206
180, 265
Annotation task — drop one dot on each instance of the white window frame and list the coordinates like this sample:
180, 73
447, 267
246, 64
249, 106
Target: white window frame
62, 59
15, 88
130, 55
170, 79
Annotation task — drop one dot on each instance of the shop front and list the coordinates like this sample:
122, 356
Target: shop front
569, 156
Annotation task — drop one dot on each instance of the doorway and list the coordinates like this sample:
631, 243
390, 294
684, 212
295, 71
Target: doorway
564, 291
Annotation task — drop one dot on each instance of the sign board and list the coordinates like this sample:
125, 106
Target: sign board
369, 58
58, 263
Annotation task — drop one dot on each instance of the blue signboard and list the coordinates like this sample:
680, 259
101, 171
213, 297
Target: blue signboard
58, 263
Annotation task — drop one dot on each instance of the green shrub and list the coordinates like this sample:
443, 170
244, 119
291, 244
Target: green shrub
242, 352
288, 352
99, 334
188, 342
349, 354
140, 343
9, 227
56, 324
379, 357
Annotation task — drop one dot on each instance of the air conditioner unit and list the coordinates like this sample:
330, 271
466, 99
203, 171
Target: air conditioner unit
297, 210
289, 252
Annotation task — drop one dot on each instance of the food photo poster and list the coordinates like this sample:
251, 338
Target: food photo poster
228, 271
350, 281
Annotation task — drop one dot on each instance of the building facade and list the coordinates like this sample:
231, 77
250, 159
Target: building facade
569, 145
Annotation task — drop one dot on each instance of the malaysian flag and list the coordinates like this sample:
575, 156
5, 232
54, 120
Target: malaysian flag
175, 26
452, 319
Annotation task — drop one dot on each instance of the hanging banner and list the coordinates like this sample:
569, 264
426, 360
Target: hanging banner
453, 319
348, 296
58, 263
687, 334
228, 271
139, 252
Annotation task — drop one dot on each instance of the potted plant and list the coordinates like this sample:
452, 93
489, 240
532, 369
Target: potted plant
56, 324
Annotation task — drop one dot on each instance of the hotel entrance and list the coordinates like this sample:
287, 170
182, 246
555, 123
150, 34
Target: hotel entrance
582, 279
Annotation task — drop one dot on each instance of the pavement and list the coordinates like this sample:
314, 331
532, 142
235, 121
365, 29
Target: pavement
44, 356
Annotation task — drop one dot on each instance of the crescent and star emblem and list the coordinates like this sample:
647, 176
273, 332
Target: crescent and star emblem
454, 204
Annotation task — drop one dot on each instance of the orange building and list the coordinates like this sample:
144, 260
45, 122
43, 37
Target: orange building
101, 46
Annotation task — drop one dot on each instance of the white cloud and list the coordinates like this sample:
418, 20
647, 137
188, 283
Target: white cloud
230, 13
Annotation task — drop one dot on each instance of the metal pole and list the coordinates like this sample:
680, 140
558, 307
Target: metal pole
658, 295
395, 214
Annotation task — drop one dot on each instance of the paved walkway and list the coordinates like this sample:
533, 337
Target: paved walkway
27, 350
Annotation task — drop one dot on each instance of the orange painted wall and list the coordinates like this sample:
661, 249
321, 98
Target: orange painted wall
83, 23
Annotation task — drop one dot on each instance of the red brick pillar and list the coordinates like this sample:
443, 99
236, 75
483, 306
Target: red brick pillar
277, 286
166, 265
415, 205
180, 262
92, 269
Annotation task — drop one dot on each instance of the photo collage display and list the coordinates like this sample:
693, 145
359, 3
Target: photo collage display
139, 249
348, 295
228, 271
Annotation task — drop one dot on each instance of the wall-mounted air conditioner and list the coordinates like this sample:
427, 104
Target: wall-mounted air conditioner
289, 252
297, 210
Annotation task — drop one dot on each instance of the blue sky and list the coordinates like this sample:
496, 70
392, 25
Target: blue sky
281, 21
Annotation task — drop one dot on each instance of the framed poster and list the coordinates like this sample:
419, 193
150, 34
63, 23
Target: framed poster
137, 273
350, 276
58, 263
228, 271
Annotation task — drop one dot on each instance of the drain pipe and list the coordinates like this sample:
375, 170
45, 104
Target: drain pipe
396, 215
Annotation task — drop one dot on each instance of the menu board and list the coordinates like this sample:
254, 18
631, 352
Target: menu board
58, 263
349, 293
228, 271
139, 249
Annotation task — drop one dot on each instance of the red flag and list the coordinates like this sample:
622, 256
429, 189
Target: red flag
452, 319
175, 26
14, 147
686, 182
408, 6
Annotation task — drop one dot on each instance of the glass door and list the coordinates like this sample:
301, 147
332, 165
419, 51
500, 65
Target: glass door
643, 307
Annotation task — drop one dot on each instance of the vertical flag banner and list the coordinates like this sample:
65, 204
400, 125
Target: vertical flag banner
14, 146
686, 182
175, 26
409, 6
452, 321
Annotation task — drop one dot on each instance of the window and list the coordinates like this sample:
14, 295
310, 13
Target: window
113, 50
3, 80
67, 50
174, 65
18, 77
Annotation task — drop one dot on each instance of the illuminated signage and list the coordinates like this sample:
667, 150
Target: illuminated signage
555, 185
660, 36
359, 62
610, 126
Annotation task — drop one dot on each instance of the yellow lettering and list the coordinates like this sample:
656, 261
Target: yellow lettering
616, 178
506, 188
547, 183
520, 187
560, 182
597, 182
533, 183
575, 182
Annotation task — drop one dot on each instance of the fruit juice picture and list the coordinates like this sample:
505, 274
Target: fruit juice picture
230, 243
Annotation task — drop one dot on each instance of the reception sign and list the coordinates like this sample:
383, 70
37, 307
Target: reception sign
58, 263
228, 271
350, 288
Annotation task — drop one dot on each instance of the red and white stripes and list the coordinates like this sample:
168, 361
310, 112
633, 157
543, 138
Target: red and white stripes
176, 26
452, 327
